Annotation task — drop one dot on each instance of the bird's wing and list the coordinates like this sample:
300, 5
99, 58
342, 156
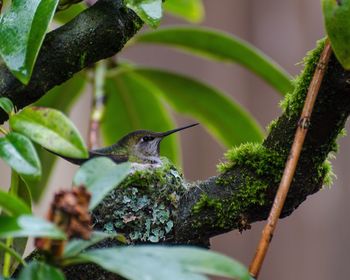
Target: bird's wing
104, 153
77, 161
92, 154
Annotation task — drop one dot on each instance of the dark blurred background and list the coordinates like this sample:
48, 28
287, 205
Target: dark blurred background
313, 243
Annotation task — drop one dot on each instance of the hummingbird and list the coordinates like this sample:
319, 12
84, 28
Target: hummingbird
140, 146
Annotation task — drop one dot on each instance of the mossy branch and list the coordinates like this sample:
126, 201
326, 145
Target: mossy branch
151, 200
99, 32
244, 191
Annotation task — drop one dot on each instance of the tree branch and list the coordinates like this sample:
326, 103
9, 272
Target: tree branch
99, 32
244, 192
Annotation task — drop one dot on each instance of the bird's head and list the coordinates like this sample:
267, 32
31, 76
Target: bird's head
144, 145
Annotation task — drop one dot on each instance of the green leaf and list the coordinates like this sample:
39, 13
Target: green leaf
62, 98
26, 225
70, 13
22, 31
100, 175
190, 10
150, 11
223, 118
132, 98
18, 152
12, 204
51, 129
24, 192
223, 47
337, 22
40, 271
171, 263
6, 104
76, 246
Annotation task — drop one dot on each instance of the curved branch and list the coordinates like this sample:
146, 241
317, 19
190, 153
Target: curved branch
99, 32
244, 192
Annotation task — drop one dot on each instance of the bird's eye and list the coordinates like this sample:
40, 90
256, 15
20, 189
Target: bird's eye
147, 138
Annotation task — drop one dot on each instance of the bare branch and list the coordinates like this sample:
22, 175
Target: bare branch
292, 162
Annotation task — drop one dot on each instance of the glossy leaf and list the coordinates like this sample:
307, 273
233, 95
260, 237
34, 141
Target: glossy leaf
100, 175
131, 97
190, 10
22, 31
40, 271
6, 104
76, 246
150, 11
51, 129
171, 263
62, 98
12, 204
223, 47
337, 22
223, 118
26, 225
18, 152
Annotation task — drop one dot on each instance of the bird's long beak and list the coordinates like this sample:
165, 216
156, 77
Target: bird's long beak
166, 133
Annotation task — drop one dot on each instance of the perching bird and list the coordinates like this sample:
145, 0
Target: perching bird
141, 146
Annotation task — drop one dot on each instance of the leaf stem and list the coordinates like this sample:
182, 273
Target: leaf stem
291, 164
3, 130
13, 253
98, 104
9, 241
7, 258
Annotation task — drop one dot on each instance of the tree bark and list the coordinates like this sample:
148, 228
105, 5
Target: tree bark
97, 33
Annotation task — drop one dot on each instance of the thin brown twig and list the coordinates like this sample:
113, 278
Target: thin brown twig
98, 104
291, 163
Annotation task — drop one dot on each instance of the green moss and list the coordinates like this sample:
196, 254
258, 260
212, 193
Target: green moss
256, 157
266, 164
83, 59
334, 144
142, 207
206, 202
271, 125
325, 171
250, 193
294, 101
